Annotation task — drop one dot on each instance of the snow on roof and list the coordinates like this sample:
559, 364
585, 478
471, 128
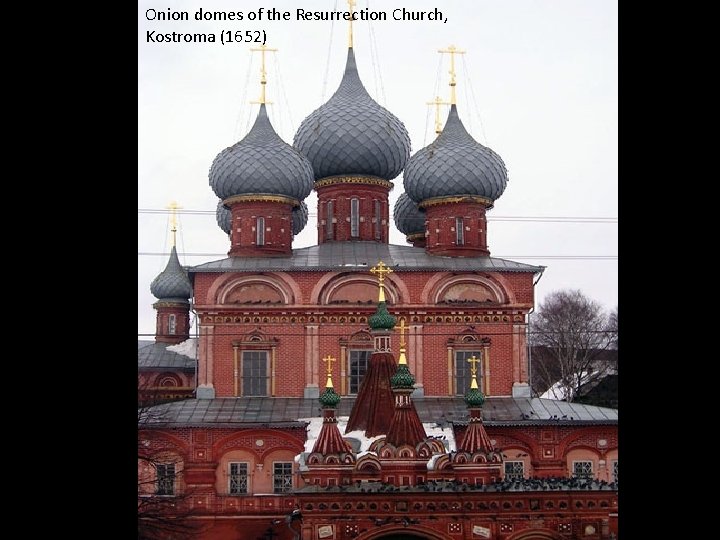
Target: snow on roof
188, 348
432, 429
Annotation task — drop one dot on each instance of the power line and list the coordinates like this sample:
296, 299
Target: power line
535, 257
535, 219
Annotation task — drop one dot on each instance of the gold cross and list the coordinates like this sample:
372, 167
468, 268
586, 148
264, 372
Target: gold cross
381, 270
329, 361
173, 207
351, 4
263, 79
473, 368
453, 51
437, 102
402, 332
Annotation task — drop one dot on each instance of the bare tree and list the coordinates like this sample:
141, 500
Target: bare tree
570, 335
164, 511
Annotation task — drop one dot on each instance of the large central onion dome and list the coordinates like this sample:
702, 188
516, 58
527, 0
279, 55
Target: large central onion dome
261, 163
455, 164
353, 134
409, 219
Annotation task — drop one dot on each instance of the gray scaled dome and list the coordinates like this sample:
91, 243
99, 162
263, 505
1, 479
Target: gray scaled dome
223, 216
173, 282
299, 218
409, 219
353, 134
455, 164
261, 163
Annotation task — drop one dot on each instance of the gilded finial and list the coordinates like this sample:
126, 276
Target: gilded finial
381, 270
329, 361
473, 360
173, 207
437, 102
452, 50
351, 5
263, 74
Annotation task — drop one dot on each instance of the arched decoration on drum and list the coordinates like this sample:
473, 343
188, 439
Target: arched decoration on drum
358, 289
267, 289
537, 534
469, 289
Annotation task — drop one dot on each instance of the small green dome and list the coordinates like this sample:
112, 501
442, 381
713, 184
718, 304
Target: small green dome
474, 398
329, 398
382, 320
402, 378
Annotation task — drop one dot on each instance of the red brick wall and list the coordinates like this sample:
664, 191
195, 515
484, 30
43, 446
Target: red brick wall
278, 228
442, 234
340, 195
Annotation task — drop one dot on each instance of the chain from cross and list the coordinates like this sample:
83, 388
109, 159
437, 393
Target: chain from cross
351, 5
473, 360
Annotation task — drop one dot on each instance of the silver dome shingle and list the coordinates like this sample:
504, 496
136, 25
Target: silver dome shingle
455, 164
353, 134
223, 216
409, 219
173, 282
299, 218
261, 163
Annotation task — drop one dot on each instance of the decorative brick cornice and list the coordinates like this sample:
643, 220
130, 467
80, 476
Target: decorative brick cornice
434, 201
259, 197
368, 180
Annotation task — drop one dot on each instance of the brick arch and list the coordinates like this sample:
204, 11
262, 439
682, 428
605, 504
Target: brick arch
442, 282
392, 531
516, 440
245, 440
286, 287
170, 442
535, 534
168, 376
566, 444
395, 288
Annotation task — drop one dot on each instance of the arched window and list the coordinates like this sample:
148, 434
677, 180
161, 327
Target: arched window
329, 227
355, 357
378, 219
459, 232
460, 351
260, 231
171, 324
354, 217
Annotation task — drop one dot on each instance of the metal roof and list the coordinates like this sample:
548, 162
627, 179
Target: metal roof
364, 255
152, 355
285, 412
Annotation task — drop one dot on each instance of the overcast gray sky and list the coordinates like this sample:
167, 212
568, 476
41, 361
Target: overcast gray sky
538, 84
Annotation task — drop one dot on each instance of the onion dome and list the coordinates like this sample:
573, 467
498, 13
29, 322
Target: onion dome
402, 378
223, 217
353, 134
299, 218
381, 319
455, 164
329, 398
173, 282
474, 398
409, 219
261, 163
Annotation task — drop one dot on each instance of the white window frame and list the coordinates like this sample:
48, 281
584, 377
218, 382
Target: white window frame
575, 465
172, 324
354, 217
284, 477
614, 470
260, 231
514, 474
378, 232
164, 478
230, 477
